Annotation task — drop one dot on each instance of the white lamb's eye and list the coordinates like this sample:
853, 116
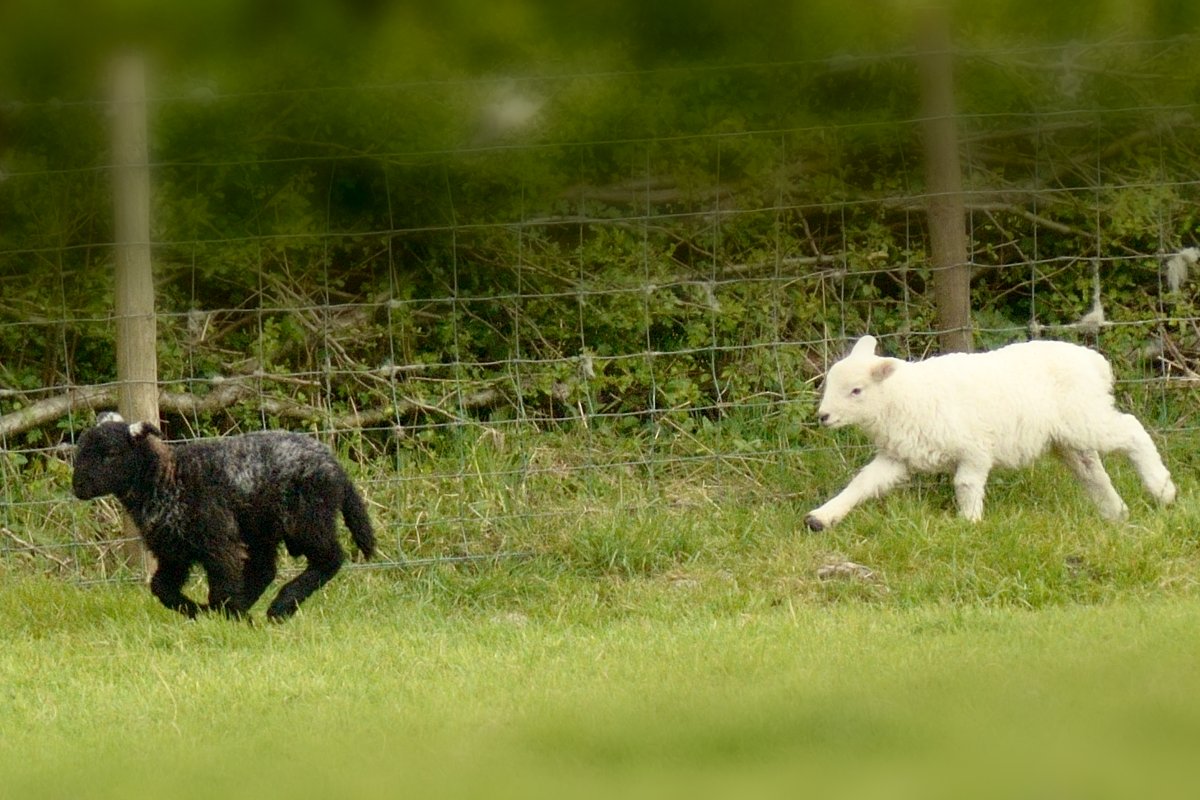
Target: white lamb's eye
856, 391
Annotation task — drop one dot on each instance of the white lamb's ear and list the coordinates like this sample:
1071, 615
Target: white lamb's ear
883, 369
864, 346
109, 416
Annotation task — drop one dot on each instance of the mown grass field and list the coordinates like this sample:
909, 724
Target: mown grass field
654, 648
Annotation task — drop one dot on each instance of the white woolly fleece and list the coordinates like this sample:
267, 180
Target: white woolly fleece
967, 413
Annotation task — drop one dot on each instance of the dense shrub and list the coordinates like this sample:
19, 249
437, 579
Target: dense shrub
675, 230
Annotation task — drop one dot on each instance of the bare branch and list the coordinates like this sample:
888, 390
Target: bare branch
230, 392
87, 398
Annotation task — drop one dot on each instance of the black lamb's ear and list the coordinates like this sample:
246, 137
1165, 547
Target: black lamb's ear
146, 438
140, 430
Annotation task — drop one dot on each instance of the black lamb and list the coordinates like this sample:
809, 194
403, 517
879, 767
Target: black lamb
226, 504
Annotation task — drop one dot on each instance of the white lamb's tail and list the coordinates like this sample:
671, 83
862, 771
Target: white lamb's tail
1105, 370
1075, 374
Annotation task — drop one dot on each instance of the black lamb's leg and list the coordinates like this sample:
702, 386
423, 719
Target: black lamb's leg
225, 587
260, 571
167, 586
324, 558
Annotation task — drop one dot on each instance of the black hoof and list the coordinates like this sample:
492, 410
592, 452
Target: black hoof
813, 523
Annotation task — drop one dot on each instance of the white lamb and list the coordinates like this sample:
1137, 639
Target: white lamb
966, 413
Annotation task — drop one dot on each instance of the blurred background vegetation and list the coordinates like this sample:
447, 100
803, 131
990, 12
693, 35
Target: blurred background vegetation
553, 211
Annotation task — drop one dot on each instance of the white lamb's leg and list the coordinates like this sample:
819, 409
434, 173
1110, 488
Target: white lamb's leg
1090, 470
1148, 463
876, 478
1123, 432
969, 479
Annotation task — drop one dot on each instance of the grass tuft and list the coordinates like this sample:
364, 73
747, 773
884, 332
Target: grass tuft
627, 631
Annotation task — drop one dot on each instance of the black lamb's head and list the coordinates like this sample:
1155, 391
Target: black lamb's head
116, 457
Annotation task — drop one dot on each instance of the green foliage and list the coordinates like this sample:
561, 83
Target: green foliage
587, 351
353, 227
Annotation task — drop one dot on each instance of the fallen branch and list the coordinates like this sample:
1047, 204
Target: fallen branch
230, 392
42, 412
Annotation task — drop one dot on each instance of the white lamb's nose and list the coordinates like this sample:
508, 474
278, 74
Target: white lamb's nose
824, 418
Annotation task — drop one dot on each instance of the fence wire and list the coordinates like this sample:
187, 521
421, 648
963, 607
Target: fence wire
641, 317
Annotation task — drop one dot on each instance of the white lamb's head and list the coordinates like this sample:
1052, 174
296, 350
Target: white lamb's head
853, 386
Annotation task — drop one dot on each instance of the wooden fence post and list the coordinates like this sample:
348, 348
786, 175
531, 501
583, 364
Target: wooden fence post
137, 360
943, 173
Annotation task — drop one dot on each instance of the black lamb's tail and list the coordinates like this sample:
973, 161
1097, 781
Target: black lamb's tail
354, 511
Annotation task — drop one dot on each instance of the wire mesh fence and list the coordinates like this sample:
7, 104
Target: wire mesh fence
568, 291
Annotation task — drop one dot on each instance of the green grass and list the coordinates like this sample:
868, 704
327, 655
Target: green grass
378, 689
660, 637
